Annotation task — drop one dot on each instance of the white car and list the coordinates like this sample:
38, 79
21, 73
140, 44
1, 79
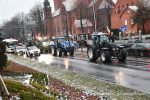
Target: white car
20, 50
10, 49
32, 51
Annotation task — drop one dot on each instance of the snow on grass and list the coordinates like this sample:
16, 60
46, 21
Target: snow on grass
83, 82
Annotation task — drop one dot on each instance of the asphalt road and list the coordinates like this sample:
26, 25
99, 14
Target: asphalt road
132, 74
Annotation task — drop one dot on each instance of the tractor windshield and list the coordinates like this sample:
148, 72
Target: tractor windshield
104, 38
100, 38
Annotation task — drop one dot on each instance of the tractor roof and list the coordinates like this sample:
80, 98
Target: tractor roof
100, 33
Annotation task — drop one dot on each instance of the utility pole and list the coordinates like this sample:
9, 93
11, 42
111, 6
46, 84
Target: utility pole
81, 16
94, 13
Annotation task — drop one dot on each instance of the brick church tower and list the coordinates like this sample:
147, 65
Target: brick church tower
47, 18
58, 4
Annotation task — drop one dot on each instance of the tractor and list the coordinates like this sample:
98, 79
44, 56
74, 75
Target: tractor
60, 45
100, 46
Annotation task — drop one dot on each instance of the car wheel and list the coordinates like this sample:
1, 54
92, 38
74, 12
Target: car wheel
59, 52
105, 57
92, 54
122, 55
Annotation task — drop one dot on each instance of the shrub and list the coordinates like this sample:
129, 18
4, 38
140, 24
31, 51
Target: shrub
3, 56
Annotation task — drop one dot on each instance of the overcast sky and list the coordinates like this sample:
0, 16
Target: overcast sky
8, 8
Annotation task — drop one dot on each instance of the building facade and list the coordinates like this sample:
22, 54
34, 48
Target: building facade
123, 18
75, 17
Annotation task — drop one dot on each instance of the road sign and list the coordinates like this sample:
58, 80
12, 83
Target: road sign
123, 28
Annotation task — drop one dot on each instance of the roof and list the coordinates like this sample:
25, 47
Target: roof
10, 40
92, 2
100, 33
56, 13
104, 4
85, 22
146, 3
70, 4
133, 8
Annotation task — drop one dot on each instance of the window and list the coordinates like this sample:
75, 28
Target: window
132, 21
125, 22
119, 10
123, 7
132, 3
127, 4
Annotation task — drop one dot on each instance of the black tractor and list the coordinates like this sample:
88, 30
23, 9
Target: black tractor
100, 46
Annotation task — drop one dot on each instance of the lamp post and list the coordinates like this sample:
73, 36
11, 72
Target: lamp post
94, 15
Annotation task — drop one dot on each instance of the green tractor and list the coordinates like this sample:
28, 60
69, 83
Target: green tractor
100, 46
43, 45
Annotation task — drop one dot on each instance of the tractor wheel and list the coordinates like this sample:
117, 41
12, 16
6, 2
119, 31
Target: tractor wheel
92, 53
59, 52
71, 52
122, 55
53, 51
105, 57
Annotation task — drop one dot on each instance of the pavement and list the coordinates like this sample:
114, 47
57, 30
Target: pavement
83, 51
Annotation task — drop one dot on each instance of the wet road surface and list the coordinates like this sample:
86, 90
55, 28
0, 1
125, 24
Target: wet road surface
132, 74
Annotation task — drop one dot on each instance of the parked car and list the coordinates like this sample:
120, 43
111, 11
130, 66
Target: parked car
140, 49
20, 50
131, 42
32, 51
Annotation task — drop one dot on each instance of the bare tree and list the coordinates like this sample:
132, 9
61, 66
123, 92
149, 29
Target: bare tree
36, 14
142, 14
14, 28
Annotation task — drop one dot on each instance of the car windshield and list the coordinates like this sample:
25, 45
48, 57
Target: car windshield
20, 47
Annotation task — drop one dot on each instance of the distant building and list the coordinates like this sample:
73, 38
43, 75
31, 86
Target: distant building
67, 16
123, 16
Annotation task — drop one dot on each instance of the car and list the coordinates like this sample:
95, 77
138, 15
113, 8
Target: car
60, 45
100, 46
32, 51
131, 42
140, 49
20, 50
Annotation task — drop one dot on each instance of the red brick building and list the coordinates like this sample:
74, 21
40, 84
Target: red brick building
67, 16
123, 15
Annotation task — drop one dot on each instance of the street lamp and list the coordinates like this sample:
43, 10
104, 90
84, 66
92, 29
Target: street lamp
94, 14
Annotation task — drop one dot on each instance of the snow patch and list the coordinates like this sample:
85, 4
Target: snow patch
70, 4
104, 4
134, 8
56, 13
92, 2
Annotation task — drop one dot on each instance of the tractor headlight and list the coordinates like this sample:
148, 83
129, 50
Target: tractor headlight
44, 43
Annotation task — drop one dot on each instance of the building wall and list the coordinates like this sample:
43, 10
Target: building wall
120, 6
58, 21
57, 4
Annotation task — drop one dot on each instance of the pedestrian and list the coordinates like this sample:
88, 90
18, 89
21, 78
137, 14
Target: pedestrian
112, 37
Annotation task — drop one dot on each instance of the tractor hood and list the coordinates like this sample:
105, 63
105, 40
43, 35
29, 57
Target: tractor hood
66, 44
113, 45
